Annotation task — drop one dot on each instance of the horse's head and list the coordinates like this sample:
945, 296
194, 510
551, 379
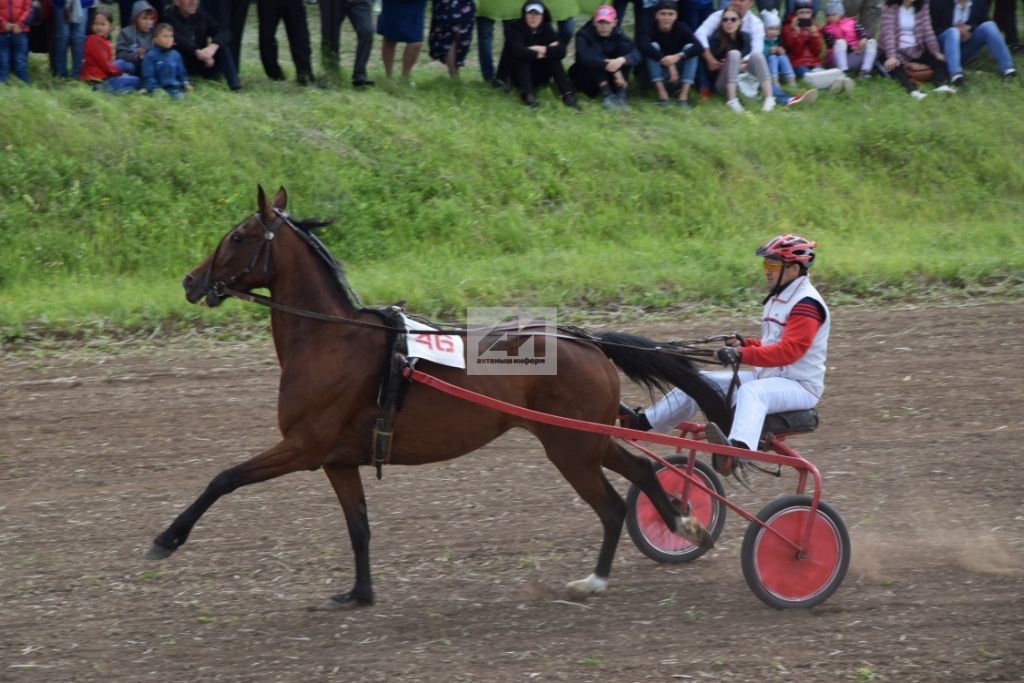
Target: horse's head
242, 258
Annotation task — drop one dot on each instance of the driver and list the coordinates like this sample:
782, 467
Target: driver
788, 359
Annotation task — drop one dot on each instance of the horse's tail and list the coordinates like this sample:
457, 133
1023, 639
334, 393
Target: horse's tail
637, 358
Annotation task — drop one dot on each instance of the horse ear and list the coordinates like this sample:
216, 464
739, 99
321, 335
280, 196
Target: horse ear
261, 199
281, 199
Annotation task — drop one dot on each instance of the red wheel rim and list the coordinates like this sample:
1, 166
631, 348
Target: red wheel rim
791, 576
652, 526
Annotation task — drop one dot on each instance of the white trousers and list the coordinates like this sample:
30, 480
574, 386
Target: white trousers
754, 399
846, 59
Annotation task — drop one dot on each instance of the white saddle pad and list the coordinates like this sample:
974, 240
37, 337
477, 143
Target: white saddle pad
445, 349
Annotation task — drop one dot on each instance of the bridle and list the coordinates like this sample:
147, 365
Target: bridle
222, 288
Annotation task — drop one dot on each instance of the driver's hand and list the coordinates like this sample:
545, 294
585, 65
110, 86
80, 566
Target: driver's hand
727, 355
735, 340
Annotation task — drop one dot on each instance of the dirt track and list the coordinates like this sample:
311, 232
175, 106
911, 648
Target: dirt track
920, 449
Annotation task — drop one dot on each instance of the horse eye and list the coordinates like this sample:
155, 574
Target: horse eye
236, 237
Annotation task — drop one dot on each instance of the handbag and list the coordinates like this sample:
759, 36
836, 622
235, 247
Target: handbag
922, 73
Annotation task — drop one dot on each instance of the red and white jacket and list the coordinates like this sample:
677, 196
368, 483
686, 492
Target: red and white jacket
794, 337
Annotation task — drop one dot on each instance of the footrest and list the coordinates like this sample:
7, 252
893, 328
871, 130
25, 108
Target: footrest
792, 421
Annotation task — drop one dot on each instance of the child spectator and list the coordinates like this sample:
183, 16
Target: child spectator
135, 39
802, 39
99, 67
14, 38
163, 67
671, 51
604, 58
849, 46
778, 61
534, 55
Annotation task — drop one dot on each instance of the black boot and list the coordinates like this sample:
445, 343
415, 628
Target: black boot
633, 418
530, 100
569, 99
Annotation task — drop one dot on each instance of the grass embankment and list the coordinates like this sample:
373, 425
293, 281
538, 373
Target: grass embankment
452, 195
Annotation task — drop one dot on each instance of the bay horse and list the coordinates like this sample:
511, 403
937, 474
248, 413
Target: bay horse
331, 373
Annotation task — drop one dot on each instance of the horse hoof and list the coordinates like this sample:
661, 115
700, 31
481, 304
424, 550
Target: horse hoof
584, 588
343, 602
692, 530
158, 552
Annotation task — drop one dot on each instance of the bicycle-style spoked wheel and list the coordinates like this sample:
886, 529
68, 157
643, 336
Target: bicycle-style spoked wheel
781, 576
647, 528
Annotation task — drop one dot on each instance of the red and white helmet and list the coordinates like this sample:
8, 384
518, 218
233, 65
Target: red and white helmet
789, 248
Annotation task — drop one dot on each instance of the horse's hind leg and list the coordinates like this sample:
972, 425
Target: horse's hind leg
640, 472
576, 458
274, 462
349, 488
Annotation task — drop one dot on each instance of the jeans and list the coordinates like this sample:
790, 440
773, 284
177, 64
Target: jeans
63, 33
14, 50
126, 82
779, 65
485, 46
986, 35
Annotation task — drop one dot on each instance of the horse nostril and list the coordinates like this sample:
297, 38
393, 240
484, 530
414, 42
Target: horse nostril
186, 282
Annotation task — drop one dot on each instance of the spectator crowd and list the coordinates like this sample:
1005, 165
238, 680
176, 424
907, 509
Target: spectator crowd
777, 53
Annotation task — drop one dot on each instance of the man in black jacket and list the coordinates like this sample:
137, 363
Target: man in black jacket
963, 28
202, 42
666, 45
534, 55
604, 58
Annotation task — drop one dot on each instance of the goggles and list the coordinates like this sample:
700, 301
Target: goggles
772, 266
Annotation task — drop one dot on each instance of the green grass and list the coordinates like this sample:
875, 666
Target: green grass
451, 194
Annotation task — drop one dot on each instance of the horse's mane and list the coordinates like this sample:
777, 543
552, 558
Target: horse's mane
304, 229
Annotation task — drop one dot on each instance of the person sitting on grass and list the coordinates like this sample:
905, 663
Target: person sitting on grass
99, 67
802, 38
850, 48
779, 65
788, 358
907, 38
162, 67
136, 39
202, 42
604, 58
964, 30
728, 54
671, 51
14, 38
534, 55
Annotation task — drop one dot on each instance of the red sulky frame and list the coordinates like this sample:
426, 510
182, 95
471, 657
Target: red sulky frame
758, 571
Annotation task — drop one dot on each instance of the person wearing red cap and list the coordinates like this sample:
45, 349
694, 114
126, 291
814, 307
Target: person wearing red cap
788, 359
604, 58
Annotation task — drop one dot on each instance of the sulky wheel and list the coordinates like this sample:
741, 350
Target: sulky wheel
779, 575
647, 528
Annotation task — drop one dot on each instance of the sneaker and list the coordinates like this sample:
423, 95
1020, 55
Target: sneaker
362, 82
683, 104
957, 81
1009, 74
806, 97
837, 85
945, 90
769, 103
633, 418
848, 85
609, 102
663, 103
917, 94
736, 106
865, 75
530, 101
620, 99
569, 100
705, 94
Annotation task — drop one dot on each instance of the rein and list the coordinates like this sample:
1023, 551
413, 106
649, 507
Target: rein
684, 349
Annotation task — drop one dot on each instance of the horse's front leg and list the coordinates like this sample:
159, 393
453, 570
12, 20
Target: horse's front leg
349, 488
274, 462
